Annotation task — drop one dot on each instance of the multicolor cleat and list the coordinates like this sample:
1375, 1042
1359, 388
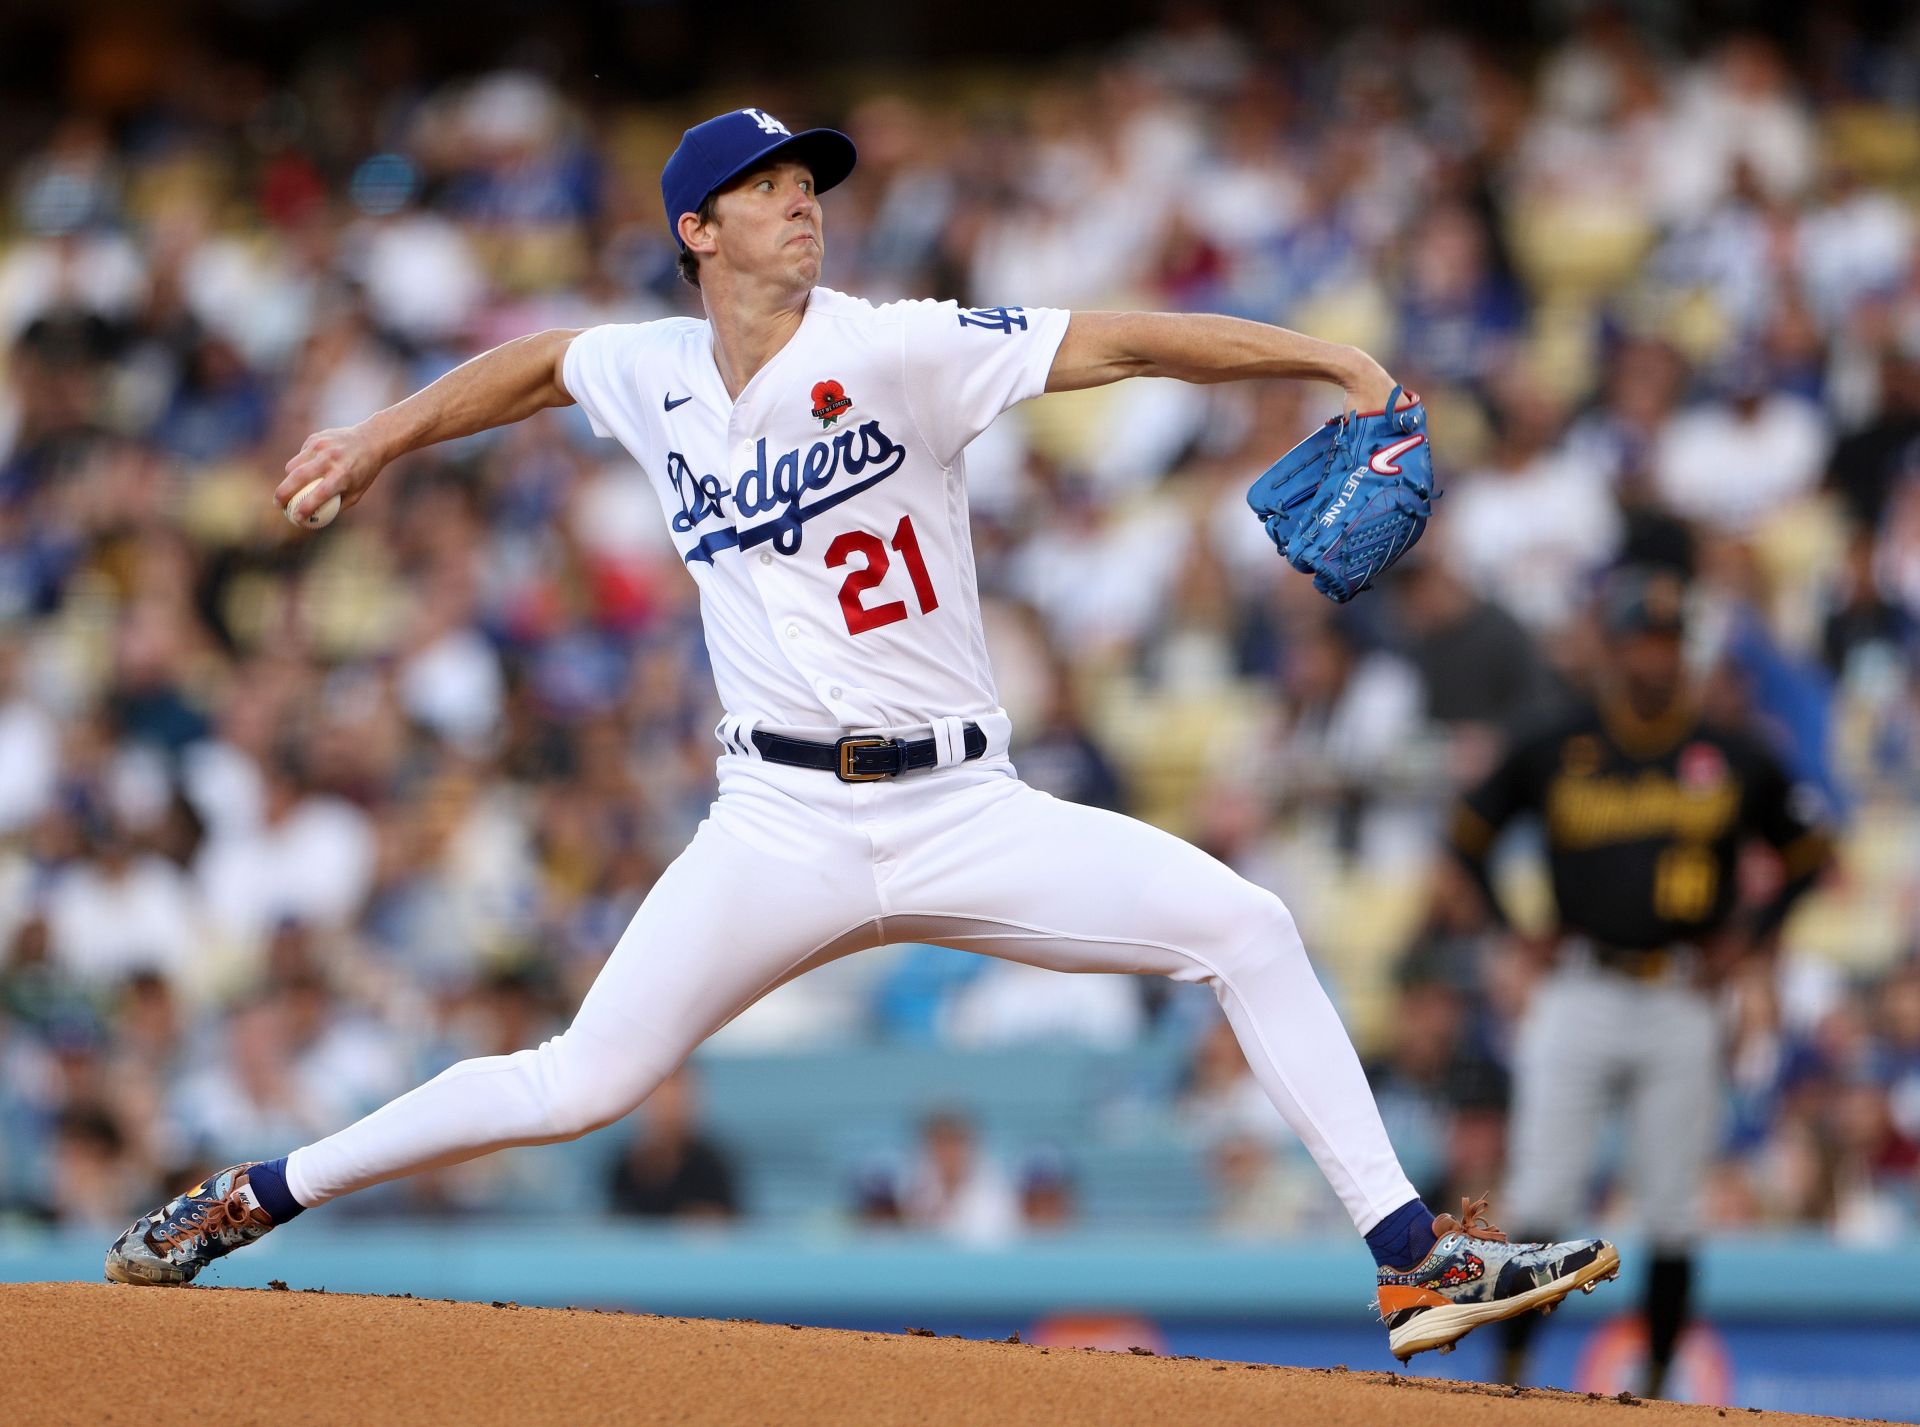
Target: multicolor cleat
172, 1244
1473, 1276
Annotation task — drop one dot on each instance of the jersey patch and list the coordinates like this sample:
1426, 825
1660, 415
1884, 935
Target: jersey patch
830, 402
1701, 765
1004, 320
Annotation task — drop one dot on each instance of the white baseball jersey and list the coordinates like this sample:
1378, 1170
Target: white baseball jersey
824, 514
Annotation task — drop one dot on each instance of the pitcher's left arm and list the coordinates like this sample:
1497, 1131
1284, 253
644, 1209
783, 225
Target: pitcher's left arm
1104, 347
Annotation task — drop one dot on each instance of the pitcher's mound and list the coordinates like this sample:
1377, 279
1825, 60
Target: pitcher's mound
101, 1353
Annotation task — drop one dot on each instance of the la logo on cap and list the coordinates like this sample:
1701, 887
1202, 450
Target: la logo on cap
715, 152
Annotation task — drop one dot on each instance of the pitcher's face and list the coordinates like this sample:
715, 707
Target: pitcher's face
767, 225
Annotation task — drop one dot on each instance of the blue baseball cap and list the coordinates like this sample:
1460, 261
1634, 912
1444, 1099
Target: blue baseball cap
713, 154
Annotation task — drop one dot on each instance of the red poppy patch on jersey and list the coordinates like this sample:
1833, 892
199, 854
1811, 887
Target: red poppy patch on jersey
830, 402
1701, 765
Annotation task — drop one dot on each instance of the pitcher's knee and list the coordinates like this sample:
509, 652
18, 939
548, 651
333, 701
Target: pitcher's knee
580, 1091
1263, 937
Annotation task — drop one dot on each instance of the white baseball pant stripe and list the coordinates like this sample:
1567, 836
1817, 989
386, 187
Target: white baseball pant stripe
793, 868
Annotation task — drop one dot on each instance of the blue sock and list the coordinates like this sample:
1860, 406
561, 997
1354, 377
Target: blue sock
1400, 1240
269, 1183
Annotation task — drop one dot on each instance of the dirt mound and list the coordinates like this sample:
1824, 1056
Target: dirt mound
99, 1353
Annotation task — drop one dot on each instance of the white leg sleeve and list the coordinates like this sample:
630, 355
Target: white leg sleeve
732, 918
1027, 877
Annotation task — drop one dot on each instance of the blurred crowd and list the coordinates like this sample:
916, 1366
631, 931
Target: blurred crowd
290, 821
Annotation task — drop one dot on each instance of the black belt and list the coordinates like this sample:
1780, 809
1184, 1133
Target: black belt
1646, 962
863, 760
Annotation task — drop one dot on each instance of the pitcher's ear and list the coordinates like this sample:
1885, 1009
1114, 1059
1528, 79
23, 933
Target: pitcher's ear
696, 233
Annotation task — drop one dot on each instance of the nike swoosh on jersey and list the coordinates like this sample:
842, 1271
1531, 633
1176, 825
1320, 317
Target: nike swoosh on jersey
1386, 461
671, 403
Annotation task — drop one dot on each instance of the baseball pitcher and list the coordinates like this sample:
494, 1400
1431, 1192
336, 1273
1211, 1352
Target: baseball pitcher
806, 448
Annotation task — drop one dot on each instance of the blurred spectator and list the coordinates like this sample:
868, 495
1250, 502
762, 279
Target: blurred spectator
121, 911
147, 1056
422, 282
1060, 754
1097, 574
955, 1191
1264, 1191
1645, 380
669, 1169
1728, 464
1219, 1099
294, 1067
1457, 315
1878, 1164
149, 1034
451, 680
1351, 739
875, 1197
1435, 1094
33, 989
1854, 246
1252, 1197
95, 1176
1799, 1168
912, 999
1480, 676
1861, 621
1048, 1202
1009, 1003
1532, 524
1896, 555
1738, 110
1900, 1014
310, 858
29, 746
1869, 465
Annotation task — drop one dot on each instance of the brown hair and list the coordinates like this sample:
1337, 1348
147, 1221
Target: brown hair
689, 263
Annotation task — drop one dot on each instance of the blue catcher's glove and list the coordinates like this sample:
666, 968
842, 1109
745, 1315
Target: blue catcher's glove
1352, 498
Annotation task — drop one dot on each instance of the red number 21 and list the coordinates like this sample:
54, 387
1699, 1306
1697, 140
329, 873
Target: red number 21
862, 617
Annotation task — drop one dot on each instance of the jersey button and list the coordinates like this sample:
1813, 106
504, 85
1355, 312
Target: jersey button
766, 557
835, 692
793, 631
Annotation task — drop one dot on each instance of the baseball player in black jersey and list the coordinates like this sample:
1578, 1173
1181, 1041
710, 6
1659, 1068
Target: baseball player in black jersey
1645, 807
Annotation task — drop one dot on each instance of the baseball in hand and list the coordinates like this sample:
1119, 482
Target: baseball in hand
322, 516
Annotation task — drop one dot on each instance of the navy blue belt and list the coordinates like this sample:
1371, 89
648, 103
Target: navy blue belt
863, 760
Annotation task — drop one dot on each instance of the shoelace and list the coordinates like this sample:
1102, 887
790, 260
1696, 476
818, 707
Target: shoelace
1472, 1222
206, 1221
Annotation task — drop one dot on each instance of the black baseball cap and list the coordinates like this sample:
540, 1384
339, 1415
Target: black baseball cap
1643, 601
712, 154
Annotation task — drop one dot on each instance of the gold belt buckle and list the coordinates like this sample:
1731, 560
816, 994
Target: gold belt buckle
846, 747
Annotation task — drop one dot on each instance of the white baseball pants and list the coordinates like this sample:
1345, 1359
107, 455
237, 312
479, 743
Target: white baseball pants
793, 868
